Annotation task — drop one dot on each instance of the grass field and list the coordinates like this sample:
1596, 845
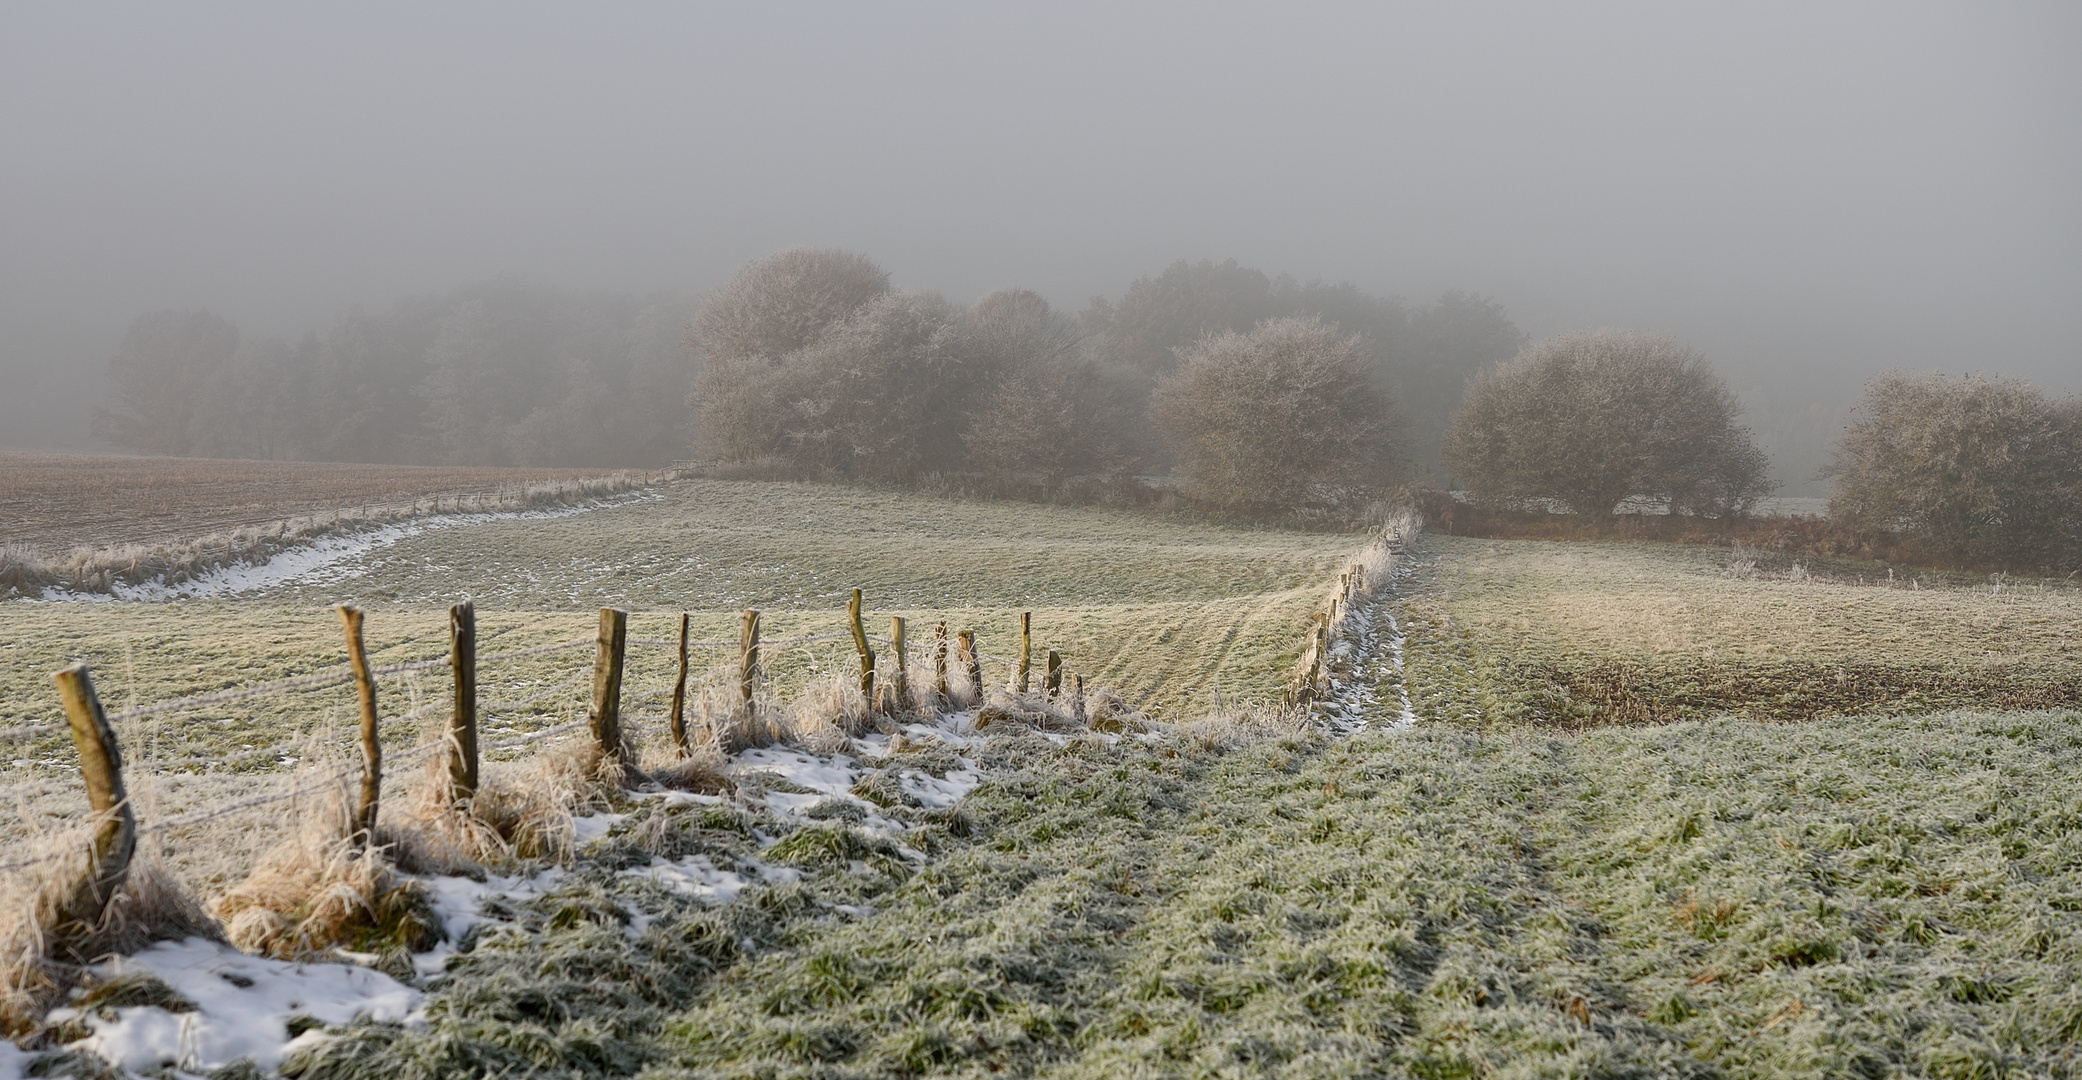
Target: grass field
1588, 633
53, 503
1535, 880
1165, 611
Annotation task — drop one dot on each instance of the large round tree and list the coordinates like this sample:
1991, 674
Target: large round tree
1593, 419
1278, 418
1972, 469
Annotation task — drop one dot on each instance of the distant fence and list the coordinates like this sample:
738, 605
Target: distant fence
954, 669
1355, 585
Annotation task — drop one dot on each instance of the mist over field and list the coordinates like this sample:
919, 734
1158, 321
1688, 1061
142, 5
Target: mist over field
1805, 196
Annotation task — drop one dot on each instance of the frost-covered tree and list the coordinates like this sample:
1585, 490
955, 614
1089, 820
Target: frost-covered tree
1977, 469
747, 330
1051, 410
1593, 419
1282, 417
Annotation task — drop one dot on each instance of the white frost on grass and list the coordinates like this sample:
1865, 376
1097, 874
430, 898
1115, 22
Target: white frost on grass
305, 560
1373, 648
243, 1005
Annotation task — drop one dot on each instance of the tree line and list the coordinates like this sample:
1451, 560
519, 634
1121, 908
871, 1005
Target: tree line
497, 373
1252, 393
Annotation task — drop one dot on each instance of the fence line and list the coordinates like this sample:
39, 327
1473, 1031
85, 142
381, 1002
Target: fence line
95, 736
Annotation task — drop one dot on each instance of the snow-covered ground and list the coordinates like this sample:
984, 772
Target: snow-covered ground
307, 562
258, 1009
1367, 661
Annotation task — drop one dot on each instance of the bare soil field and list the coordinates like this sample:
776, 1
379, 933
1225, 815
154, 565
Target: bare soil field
53, 503
1572, 634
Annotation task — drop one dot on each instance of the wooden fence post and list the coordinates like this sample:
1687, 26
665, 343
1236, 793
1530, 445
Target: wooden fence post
940, 663
1077, 706
747, 655
1053, 682
364, 827
115, 834
607, 686
462, 723
965, 650
679, 694
1026, 648
867, 655
900, 681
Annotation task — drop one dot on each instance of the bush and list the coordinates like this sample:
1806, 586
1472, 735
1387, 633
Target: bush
1593, 419
1984, 471
1279, 418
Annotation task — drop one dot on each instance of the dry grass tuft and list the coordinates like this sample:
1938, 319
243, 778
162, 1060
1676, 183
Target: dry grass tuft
40, 961
318, 891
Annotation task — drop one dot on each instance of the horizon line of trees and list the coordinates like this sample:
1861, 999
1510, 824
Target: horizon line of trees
1254, 393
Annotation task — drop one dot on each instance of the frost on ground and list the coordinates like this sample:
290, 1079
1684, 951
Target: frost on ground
309, 563
1365, 666
197, 1006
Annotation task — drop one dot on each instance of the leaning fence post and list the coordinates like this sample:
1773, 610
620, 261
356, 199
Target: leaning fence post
867, 655
364, 828
900, 681
101, 766
679, 694
940, 663
747, 655
607, 685
1053, 681
965, 650
462, 724
1026, 648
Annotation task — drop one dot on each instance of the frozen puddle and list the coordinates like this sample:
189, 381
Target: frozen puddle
244, 1006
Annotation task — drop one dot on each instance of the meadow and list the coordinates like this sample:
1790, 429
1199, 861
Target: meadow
1683, 877
1567, 634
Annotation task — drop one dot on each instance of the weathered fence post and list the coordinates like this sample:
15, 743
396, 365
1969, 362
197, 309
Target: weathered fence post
940, 663
364, 828
900, 681
747, 655
965, 650
607, 686
1026, 648
462, 723
679, 694
867, 655
115, 834
1077, 707
1052, 683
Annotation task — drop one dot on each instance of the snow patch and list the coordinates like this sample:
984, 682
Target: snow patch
243, 1006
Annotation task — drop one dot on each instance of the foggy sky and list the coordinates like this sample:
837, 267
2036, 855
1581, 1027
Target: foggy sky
1809, 193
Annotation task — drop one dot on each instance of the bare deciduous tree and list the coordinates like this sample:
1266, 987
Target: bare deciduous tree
1593, 419
1281, 417
1981, 470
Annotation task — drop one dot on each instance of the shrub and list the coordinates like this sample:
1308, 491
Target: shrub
1593, 419
1974, 470
1279, 418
